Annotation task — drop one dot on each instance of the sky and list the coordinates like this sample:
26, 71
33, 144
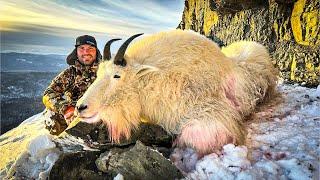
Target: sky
51, 26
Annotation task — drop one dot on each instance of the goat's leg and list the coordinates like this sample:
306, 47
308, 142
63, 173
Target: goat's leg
209, 126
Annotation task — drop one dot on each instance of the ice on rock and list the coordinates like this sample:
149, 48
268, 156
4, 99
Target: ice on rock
38, 159
119, 177
40, 146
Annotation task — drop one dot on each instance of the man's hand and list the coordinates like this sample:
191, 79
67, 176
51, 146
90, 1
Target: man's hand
68, 114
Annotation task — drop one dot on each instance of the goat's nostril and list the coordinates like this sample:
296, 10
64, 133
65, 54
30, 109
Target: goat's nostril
81, 107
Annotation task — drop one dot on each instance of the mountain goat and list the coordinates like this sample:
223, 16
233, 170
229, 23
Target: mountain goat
183, 82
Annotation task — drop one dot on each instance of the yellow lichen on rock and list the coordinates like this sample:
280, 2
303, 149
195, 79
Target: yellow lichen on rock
239, 16
252, 29
312, 71
210, 18
187, 15
317, 72
295, 21
305, 71
305, 22
276, 28
293, 68
312, 28
282, 33
198, 16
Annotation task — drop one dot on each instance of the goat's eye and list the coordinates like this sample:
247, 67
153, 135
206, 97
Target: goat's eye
116, 76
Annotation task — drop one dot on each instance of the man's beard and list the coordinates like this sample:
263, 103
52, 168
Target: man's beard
82, 62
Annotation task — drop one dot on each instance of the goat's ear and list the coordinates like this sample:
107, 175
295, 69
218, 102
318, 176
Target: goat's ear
145, 69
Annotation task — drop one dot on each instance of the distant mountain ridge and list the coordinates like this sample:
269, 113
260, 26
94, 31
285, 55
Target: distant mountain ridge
17, 62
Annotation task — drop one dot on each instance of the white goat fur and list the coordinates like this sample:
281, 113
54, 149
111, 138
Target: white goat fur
185, 83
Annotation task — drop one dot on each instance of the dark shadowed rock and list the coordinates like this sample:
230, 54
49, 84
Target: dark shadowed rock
150, 134
96, 135
137, 162
132, 161
90, 132
77, 165
285, 1
216, 40
232, 6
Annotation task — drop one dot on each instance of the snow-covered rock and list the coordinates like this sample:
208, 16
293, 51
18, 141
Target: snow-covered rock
28, 150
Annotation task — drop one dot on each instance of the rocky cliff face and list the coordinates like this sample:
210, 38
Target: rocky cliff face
289, 28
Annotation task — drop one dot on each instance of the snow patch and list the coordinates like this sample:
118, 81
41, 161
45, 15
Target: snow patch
38, 160
118, 177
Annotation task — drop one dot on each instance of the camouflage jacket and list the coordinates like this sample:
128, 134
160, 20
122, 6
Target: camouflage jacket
68, 87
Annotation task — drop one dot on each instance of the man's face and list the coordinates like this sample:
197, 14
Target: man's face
86, 54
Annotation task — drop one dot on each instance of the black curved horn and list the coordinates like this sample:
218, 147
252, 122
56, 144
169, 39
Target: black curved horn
106, 50
119, 60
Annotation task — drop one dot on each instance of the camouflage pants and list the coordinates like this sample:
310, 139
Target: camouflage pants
56, 123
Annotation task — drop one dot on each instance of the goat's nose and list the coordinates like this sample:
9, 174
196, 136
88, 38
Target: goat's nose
81, 107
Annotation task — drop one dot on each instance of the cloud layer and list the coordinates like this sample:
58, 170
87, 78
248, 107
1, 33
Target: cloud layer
57, 23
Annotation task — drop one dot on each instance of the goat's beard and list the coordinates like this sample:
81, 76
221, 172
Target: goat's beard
120, 120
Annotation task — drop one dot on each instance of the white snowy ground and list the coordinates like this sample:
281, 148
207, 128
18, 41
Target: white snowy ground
283, 143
